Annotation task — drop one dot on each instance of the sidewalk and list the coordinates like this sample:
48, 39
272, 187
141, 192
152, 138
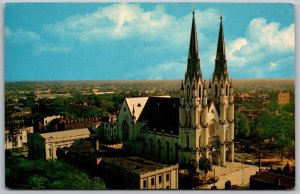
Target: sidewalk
237, 173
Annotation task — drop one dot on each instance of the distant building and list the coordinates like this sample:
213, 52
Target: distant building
20, 138
284, 98
108, 128
18, 117
44, 145
59, 123
274, 179
41, 122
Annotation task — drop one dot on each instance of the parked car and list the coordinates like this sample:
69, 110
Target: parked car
237, 159
249, 162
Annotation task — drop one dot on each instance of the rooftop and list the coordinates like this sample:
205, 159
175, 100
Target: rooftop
135, 164
66, 134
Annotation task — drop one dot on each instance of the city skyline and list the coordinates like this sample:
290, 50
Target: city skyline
144, 41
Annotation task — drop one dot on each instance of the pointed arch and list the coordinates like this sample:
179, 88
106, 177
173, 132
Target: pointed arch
187, 140
159, 149
151, 147
216, 90
200, 91
199, 140
167, 151
125, 130
188, 92
227, 90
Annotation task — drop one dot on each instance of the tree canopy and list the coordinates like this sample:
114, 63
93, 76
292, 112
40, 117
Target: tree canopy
21, 173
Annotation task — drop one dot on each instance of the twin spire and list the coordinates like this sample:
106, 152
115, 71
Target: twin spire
193, 68
193, 56
220, 71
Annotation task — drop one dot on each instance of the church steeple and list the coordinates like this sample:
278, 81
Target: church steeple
193, 56
220, 62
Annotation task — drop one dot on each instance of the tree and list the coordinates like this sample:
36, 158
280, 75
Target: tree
21, 173
242, 126
192, 167
205, 166
278, 128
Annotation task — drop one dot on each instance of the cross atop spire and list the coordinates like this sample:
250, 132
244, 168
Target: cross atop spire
220, 62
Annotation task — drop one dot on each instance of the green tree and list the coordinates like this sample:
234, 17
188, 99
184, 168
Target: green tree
278, 128
192, 167
205, 166
242, 126
21, 173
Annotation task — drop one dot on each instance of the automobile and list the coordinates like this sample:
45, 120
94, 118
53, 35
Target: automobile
249, 162
237, 159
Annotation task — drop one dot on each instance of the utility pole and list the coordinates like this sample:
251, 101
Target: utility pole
243, 171
214, 177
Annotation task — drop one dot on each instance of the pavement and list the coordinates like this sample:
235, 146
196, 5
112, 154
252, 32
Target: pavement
238, 173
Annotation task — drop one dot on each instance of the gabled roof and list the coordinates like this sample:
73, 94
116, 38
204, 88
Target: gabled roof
138, 103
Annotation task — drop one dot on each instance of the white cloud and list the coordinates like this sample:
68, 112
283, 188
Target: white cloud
262, 40
165, 70
273, 66
20, 35
270, 36
119, 21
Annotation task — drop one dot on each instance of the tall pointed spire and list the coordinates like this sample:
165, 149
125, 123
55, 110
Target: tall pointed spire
221, 44
220, 62
193, 50
193, 57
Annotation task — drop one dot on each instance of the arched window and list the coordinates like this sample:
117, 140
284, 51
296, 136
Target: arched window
176, 152
167, 151
151, 146
158, 149
200, 92
144, 145
187, 141
199, 141
188, 92
125, 130
216, 90
227, 92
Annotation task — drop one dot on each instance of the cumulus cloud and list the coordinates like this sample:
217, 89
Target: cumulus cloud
262, 41
119, 21
20, 35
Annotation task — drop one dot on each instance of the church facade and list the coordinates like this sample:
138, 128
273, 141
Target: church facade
199, 124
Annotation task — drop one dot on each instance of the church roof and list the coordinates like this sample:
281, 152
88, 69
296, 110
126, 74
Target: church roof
162, 113
136, 105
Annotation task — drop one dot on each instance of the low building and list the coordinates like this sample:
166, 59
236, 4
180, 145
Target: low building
44, 145
20, 138
119, 169
108, 129
274, 179
134, 172
284, 98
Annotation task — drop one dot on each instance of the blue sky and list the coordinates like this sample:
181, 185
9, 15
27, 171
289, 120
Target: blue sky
137, 41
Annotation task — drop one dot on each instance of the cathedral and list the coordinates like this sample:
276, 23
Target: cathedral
199, 124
